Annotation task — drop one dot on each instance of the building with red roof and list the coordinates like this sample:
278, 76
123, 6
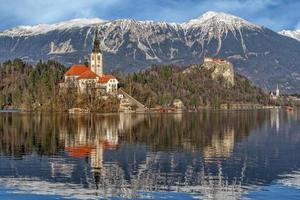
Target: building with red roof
83, 77
208, 59
76, 70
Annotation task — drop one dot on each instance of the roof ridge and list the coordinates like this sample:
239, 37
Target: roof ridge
88, 74
76, 70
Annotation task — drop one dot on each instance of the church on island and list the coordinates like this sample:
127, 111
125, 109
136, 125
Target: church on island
85, 77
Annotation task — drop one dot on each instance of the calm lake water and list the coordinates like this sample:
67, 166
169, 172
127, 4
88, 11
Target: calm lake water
209, 155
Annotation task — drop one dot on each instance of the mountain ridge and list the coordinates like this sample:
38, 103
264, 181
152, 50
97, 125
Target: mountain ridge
264, 56
292, 34
83, 22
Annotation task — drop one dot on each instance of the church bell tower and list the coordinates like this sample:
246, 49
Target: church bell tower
96, 58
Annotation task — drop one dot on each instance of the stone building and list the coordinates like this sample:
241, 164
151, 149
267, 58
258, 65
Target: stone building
84, 77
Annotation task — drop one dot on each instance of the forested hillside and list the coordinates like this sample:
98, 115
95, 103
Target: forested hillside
27, 87
194, 85
36, 88
22, 85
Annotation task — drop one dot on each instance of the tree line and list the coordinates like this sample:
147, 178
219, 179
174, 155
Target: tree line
28, 87
36, 88
161, 84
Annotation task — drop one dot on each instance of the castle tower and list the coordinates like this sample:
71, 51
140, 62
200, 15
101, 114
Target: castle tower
96, 58
277, 91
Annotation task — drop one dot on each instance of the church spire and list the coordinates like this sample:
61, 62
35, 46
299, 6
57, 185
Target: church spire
96, 57
96, 47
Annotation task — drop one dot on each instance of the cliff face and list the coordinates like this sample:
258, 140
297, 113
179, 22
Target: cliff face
222, 69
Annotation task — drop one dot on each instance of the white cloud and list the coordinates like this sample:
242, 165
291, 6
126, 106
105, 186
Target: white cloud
45, 11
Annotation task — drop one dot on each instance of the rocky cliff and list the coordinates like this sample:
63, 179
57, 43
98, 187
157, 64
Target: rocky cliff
222, 69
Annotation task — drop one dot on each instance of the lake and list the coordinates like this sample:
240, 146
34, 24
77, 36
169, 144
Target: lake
207, 155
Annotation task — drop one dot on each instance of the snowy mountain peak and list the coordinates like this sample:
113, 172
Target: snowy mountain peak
215, 15
45, 28
211, 18
292, 34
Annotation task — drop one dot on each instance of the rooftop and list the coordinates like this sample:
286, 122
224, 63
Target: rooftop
88, 74
76, 70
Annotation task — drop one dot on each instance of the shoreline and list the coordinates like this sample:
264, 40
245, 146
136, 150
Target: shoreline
144, 112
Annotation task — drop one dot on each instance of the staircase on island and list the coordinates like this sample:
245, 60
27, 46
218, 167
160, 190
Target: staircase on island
132, 101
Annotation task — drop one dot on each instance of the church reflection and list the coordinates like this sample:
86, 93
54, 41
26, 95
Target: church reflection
93, 135
212, 153
275, 119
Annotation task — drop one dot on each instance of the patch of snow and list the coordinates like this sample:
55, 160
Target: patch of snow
292, 34
228, 20
145, 49
172, 52
61, 48
45, 28
236, 57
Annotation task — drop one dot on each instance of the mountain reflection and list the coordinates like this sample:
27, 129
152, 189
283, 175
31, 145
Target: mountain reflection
213, 134
215, 154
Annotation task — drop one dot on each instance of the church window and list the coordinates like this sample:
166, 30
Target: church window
92, 57
99, 58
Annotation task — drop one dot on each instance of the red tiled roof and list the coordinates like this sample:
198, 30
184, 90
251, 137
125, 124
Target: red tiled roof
109, 145
106, 78
76, 70
80, 151
87, 75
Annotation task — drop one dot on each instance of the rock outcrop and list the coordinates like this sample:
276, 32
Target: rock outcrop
222, 69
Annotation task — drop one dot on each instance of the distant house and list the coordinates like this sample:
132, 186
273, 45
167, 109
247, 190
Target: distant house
177, 103
84, 77
208, 59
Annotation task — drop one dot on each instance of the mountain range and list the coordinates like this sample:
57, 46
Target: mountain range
266, 57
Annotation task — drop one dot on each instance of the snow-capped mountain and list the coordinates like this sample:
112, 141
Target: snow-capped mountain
45, 28
224, 20
264, 56
292, 34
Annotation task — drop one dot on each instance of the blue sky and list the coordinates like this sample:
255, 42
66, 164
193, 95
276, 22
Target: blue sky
274, 14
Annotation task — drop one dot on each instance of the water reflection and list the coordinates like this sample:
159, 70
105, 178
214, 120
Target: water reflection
215, 155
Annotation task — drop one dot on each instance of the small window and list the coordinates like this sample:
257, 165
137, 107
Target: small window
99, 58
